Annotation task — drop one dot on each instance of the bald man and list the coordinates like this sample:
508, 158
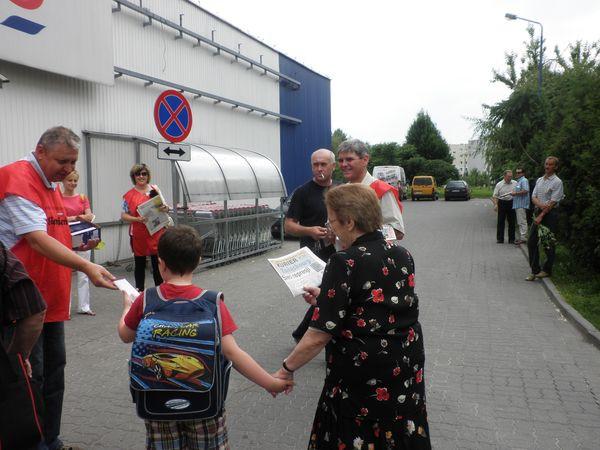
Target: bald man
307, 215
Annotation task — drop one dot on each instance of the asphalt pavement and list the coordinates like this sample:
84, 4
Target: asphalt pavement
504, 369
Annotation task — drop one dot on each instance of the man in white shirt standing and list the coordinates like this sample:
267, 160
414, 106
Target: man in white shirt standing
547, 194
353, 158
503, 204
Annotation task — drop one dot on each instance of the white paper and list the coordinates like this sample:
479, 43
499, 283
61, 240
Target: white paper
388, 232
298, 269
155, 219
125, 286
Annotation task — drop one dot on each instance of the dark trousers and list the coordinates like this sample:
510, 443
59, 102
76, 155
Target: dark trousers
139, 270
550, 220
505, 212
48, 359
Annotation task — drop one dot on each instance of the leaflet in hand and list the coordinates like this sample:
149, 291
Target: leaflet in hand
155, 219
298, 269
125, 286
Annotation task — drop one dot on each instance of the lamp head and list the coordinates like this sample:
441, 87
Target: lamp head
510, 16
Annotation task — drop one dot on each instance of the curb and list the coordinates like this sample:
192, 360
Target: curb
586, 328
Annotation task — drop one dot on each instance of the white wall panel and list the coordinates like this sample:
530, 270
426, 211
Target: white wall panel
35, 100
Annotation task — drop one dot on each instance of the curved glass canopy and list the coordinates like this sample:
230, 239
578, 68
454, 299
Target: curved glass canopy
219, 173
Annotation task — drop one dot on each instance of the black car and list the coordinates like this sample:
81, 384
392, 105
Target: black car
457, 189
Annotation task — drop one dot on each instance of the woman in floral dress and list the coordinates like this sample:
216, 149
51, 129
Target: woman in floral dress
367, 315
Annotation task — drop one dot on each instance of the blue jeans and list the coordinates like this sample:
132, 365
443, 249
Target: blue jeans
48, 359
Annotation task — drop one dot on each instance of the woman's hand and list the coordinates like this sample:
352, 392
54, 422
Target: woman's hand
310, 294
142, 219
281, 385
288, 381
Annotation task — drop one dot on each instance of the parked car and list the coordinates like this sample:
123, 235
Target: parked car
457, 189
423, 186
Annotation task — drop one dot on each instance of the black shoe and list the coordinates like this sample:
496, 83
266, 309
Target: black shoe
499, 242
511, 242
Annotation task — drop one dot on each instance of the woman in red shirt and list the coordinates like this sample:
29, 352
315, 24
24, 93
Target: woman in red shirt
142, 242
77, 207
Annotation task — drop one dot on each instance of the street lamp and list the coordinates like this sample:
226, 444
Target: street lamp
510, 16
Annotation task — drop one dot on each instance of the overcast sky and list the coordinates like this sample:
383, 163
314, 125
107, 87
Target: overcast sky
389, 59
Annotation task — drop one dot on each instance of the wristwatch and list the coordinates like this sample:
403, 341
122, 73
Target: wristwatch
286, 368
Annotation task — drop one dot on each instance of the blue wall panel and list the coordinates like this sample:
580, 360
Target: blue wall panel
312, 104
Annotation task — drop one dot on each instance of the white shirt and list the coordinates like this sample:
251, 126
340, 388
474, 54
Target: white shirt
389, 206
503, 190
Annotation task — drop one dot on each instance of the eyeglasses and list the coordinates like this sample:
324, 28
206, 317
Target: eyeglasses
346, 160
328, 223
141, 174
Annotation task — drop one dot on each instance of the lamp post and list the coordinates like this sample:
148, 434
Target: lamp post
510, 16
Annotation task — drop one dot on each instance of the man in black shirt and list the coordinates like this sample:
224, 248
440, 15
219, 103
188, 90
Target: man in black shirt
307, 215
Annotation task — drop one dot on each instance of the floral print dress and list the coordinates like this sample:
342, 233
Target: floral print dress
374, 392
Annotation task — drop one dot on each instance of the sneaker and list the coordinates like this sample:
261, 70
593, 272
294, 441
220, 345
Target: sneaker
530, 277
542, 274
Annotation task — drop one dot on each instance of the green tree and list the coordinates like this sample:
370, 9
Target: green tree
337, 138
525, 128
427, 139
386, 154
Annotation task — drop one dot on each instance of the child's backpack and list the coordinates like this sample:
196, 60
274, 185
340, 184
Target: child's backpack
177, 369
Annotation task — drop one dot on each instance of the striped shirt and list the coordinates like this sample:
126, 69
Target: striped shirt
19, 216
549, 189
521, 201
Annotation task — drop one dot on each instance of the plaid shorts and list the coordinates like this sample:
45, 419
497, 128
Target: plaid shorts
203, 434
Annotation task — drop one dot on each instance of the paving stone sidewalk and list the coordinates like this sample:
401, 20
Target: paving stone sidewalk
504, 369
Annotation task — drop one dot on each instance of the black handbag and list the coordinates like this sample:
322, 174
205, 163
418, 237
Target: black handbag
20, 400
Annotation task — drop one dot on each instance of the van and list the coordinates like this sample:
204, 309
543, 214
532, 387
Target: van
394, 176
423, 186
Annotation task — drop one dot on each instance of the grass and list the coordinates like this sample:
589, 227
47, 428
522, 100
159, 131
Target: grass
579, 286
481, 191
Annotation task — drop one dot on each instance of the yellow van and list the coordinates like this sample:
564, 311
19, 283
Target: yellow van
423, 187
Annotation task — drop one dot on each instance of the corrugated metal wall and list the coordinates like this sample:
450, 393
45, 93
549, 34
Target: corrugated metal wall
312, 104
35, 100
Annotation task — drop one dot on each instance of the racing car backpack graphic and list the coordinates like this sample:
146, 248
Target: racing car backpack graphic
177, 370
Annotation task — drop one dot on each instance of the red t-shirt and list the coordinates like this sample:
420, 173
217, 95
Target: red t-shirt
172, 291
76, 204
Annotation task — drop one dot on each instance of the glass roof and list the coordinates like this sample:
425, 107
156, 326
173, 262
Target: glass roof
219, 173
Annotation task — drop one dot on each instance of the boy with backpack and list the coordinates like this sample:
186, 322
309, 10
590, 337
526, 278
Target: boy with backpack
180, 360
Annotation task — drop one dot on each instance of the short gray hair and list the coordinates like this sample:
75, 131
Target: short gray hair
329, 153
59, 136
506, 171
354, 145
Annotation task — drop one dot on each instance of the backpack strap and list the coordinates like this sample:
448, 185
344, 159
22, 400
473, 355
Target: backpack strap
215, 297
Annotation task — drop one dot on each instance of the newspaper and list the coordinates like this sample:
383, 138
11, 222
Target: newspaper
155, 219
298, 269
82, 231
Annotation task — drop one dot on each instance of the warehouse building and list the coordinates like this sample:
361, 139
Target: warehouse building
99, 67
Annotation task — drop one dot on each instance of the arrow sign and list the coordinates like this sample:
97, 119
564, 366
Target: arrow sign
174, 152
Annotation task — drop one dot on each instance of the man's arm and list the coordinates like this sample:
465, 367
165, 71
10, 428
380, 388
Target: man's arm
49, 247
392, 214
295, 229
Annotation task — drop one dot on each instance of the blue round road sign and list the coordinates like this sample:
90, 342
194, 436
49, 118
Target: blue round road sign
173, 116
